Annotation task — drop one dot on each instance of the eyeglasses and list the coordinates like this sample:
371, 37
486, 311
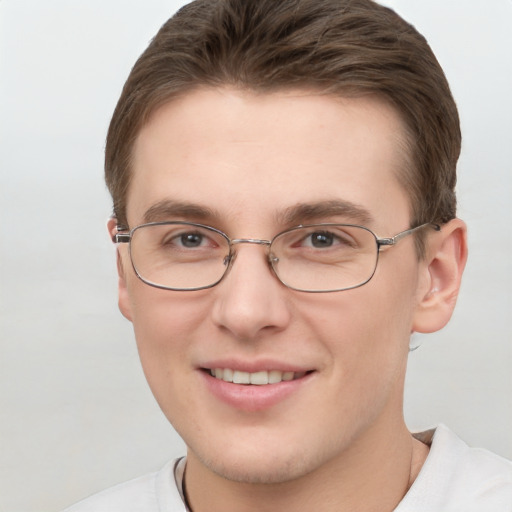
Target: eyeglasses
310, 258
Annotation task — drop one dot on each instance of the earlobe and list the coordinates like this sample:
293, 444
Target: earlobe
123, 295
442, 272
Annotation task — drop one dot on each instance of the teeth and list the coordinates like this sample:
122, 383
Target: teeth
241, 377
256, 378
275, 376
259, 378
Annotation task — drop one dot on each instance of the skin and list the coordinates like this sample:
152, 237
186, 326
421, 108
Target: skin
248, 158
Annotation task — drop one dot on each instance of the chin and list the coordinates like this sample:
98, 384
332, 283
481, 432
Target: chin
260, 465
266, 472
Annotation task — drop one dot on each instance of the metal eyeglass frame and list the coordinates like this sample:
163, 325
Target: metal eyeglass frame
122, 238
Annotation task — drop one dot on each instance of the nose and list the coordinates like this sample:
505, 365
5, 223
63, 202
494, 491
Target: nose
250, 300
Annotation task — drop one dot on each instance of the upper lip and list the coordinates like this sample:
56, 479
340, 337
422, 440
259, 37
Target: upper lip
255, 365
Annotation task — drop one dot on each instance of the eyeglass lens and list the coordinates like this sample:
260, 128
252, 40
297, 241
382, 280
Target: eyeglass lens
310, 258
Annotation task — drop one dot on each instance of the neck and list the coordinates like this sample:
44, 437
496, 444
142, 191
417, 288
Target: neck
373, 475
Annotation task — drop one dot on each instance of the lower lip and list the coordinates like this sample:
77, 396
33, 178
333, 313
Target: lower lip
252, 398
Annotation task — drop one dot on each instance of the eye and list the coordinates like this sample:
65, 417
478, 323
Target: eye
321, 239
326, 239
190, 240
183, 238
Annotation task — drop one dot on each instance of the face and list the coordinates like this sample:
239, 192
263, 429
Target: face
241, 163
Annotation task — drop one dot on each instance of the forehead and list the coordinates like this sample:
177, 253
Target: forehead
242, 154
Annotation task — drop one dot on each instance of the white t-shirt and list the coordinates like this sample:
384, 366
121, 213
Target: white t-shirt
454, 478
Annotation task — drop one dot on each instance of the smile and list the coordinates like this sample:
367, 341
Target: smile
260, 378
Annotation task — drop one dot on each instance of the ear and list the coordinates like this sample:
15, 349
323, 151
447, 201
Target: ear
442, 268
123, 295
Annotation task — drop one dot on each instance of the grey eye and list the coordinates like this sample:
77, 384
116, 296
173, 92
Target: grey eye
191, 240
322, 239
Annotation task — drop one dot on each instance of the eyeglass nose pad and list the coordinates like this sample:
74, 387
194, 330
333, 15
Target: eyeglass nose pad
273, 259
229, 259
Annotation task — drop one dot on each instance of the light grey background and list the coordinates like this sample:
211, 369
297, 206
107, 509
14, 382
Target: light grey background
75, 412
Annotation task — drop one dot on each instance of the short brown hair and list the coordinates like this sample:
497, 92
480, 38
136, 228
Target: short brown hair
339, 47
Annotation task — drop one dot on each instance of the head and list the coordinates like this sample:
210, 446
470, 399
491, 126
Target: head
343, 48
253, 117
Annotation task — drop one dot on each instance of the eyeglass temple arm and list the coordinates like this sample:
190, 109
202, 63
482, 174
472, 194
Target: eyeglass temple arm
121, 238
395, 239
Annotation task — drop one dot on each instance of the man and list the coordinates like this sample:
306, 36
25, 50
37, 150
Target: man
283, 181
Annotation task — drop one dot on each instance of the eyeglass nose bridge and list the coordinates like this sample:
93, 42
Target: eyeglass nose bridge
250, 241
229, 260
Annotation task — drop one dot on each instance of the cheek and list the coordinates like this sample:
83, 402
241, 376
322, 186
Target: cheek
164, 323
366, 330
161, 316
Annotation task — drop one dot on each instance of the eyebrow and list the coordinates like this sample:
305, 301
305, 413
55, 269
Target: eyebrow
169, 208
310, 212
298, 214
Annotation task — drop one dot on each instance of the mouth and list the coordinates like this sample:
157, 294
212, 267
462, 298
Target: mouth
260, 378
256, 390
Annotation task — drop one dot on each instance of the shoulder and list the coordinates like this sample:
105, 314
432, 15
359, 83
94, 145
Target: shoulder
154, 492
464, 464
456, 477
